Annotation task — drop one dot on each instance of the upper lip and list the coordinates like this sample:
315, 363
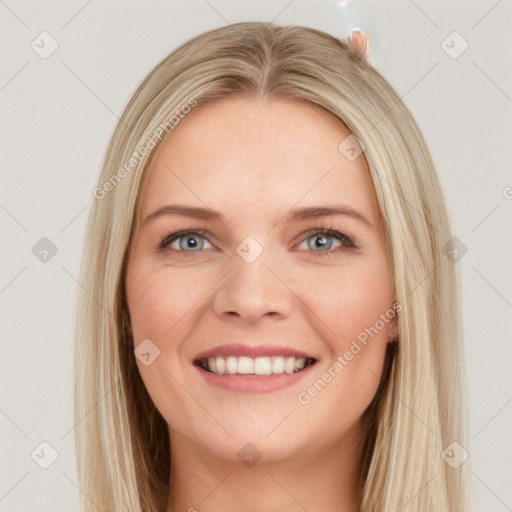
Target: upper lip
238, 350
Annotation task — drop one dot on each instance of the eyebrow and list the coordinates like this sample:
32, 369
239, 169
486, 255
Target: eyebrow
295, 215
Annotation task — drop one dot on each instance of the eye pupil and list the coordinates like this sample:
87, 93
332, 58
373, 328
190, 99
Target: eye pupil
191, 242
321, 241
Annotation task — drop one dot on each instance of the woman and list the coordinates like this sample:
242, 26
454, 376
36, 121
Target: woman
270, 321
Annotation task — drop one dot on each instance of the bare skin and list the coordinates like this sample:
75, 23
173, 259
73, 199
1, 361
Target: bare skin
254, 161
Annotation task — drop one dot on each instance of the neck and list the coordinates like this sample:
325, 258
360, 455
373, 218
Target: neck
319, 478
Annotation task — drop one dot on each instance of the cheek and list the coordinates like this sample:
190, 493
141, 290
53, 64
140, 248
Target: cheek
162, 303
348, 307
347, 299
159, 300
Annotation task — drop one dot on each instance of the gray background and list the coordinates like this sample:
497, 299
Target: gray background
57, 114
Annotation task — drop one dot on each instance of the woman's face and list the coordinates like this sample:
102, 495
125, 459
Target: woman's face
253, 287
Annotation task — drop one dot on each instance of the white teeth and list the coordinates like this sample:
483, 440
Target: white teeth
232, 364
277, 364
220, 365
289, 365
299, 363
256, 366
245, 365
263, 366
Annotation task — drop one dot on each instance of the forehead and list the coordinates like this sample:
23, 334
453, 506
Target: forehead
258, 156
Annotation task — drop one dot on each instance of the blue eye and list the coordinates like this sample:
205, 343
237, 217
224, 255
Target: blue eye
186, 240
321, 241
193, 241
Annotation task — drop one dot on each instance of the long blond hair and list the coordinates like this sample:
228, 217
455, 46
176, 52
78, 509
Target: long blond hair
420, 408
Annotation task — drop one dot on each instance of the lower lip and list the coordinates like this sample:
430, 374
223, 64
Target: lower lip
253, 383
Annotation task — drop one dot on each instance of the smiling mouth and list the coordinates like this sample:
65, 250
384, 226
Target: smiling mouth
258, 366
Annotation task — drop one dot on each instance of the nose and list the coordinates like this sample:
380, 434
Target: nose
252, 291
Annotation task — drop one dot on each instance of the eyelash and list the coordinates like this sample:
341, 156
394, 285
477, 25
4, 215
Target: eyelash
328, 232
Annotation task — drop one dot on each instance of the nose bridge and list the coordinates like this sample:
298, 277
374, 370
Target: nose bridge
252, 289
